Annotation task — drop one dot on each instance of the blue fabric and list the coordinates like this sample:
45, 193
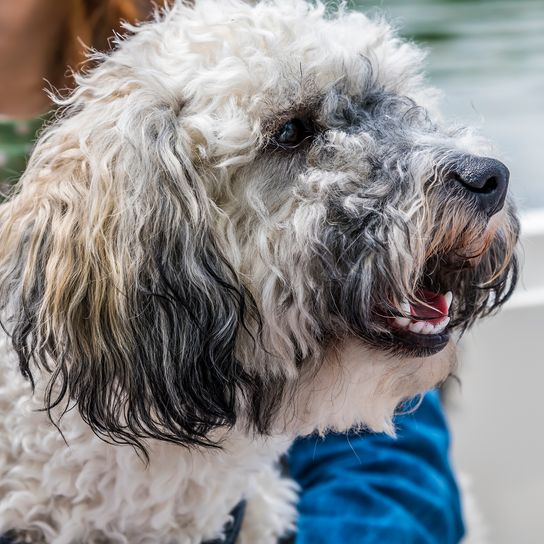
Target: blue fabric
369, 488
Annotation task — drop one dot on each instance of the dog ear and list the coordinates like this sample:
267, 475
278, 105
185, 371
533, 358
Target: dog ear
114, 280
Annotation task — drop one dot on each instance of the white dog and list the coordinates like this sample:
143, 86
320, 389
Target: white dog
247, 224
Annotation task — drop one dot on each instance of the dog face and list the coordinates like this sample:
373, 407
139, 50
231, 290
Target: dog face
231, 195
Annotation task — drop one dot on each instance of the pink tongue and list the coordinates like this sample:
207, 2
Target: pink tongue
433, 306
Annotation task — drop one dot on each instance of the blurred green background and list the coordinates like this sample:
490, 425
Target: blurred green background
487, 56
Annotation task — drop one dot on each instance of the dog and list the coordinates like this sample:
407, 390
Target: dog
247, 223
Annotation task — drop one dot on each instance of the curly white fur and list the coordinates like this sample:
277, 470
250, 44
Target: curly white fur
84, 490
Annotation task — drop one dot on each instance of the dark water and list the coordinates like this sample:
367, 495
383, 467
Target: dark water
488, 58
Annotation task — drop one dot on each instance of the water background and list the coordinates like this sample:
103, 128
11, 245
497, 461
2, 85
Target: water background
487, 56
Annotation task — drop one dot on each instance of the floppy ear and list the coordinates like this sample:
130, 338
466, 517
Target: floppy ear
114, 280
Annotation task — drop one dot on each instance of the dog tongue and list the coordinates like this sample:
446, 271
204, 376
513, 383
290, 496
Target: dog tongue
432, 306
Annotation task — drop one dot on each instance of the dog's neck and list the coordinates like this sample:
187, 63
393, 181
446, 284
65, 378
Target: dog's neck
356, 386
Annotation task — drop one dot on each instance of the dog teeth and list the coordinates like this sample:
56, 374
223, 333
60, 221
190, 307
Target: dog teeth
405, 308
428, 328
402, 322
439, 327
416, 326
449, 297
422, 327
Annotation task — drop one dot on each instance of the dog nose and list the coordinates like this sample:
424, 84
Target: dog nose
485, 178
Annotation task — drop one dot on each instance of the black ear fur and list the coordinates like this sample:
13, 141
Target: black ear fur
153, 355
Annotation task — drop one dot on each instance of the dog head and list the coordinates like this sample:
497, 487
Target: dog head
230, 199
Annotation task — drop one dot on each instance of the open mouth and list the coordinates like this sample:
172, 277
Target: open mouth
423, 324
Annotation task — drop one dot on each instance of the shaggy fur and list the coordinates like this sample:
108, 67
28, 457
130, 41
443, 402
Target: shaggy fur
185, 286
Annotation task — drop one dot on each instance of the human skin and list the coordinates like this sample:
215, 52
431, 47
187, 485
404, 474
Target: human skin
30, 35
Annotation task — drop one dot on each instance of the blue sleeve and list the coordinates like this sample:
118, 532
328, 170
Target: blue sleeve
369, 488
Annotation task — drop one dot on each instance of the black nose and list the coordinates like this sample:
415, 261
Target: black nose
486, 179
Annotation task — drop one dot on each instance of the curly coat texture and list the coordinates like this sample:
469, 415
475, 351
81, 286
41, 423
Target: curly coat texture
185, 294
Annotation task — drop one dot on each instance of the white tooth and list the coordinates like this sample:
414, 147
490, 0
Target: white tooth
442, 325
405, 308
428, 328
416, 326
402, 322
449, 297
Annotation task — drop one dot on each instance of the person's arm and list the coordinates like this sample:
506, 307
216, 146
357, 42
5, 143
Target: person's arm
369, 488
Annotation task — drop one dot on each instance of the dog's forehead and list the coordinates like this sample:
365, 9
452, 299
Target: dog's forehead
281, 51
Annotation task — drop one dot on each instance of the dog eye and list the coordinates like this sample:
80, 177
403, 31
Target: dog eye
292, 133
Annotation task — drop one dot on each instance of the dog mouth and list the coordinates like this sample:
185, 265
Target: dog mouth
421, 326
